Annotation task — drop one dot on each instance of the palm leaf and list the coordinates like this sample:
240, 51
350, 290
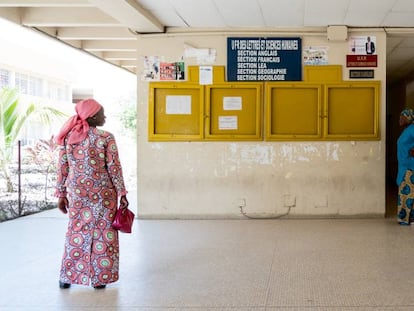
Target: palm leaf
14, 115
8, 117
19, 118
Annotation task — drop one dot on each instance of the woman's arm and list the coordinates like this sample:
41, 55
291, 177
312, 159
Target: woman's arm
62, 172
114, 167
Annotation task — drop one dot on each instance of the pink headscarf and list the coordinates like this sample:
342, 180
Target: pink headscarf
77, 123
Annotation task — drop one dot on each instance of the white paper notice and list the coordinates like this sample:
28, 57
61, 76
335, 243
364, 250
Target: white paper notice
228, 123
178, 104
232, 103
206, 75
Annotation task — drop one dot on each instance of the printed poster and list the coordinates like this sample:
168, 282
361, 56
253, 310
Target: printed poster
362, 45
155, 69
315, 55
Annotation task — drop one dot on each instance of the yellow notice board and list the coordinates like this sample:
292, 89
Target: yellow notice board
323, 74
352, 111
234, 111
293, 111
323, 107
176, 112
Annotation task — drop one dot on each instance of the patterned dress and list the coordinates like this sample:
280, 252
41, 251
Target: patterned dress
90, 175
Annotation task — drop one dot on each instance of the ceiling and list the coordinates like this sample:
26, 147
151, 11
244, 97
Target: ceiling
109, 28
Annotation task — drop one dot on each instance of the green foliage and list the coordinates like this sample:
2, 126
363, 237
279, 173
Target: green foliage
13, 116
128, 118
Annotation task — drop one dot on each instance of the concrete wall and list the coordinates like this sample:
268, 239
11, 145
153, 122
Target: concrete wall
266, 179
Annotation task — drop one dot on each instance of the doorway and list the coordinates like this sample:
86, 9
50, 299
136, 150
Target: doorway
395, 103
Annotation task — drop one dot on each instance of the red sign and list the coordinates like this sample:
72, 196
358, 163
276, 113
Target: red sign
361, 60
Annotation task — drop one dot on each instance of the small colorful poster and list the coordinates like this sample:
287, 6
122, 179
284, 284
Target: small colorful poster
167, 71
155, 69
315, 55
362, 45
179, 71
151, 68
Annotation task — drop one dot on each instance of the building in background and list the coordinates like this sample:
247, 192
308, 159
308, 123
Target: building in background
54, 74
45, 71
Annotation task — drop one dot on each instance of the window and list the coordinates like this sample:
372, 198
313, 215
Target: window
35, 86
21, 82
58, 91
4, 78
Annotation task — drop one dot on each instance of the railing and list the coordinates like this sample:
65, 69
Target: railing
32, 177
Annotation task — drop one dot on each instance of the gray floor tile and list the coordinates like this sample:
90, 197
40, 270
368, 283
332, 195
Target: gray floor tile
296, 264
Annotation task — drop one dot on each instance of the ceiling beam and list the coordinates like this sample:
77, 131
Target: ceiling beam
11, 14
109, 45
120, 55
45, 3
128, 63
66, 17
95, 33
74, 43
130, 14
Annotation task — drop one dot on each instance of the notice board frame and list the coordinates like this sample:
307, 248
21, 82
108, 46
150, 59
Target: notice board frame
184, 121
352, 111
299, 108
244, 111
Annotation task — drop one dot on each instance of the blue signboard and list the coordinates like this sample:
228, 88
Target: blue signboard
264, 59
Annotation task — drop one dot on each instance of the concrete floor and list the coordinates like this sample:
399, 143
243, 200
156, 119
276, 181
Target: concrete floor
301, 264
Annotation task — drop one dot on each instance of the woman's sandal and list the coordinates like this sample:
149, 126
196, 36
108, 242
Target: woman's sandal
63, 285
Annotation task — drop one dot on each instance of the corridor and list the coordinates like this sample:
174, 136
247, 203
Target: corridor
286, 264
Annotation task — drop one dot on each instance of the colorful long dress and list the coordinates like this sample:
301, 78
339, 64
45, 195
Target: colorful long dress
90, 175
405, 176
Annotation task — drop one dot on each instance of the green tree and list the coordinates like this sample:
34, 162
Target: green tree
13, 115
128, 116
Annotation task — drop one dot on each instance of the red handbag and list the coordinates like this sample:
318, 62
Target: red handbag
124, 218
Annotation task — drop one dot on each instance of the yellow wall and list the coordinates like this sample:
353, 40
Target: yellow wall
210, 179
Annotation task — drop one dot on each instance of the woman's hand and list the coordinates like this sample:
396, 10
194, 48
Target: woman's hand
123, 202
63, 204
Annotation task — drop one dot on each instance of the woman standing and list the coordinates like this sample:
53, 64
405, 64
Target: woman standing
89, 183
405, 174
